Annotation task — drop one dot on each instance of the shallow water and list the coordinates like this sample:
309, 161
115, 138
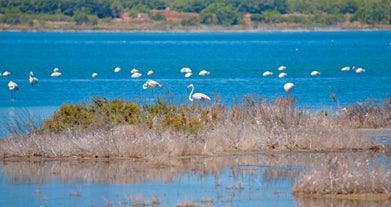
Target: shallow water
229, 180
236, 62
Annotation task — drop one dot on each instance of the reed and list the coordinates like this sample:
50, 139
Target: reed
21, 122
338, 179
119, 128
366, 115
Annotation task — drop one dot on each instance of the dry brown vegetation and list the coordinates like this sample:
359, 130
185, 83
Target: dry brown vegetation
161, 131
360, 180
164, 130
366, 115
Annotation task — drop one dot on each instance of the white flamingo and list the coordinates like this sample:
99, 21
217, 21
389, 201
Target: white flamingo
197, 96
203, 73
134, 70
267, 73
346, 68
187, 75
185, 70
360, 70
150, 72
282, 67
282, 75
56, 72
136, 75
6, 73
151, 84
315, 73
12, 86
32, 79
288, 88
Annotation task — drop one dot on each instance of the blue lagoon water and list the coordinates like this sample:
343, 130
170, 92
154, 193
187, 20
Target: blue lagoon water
236, 62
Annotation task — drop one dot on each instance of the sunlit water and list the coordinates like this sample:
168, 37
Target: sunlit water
264, 179
236, 62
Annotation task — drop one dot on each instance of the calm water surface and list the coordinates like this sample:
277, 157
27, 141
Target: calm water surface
236, 62
232, 180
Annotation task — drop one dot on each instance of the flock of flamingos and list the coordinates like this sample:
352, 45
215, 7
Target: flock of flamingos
151, 84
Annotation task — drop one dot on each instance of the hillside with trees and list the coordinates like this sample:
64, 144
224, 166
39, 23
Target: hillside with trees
192, 14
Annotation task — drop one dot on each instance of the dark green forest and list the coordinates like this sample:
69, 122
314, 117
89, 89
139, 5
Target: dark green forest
210, 12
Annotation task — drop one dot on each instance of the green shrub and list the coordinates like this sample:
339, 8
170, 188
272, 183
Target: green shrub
182, 118
268, 17
192, 21
220, 14
80, 18
158, 17
69, 116
114, 112
11, 17
138, 9
100, 113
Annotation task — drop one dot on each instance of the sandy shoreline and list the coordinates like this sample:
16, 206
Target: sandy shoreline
201, 29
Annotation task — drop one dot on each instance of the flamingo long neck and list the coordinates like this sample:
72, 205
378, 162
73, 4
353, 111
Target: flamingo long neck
191, 93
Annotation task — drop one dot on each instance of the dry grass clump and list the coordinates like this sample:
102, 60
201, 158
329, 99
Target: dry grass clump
122, 129
327, 202
187, 204
366, 115
140, 200
359, 180
265, 125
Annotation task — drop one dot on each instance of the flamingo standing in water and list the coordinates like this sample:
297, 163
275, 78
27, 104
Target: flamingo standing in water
136, 75
151, 84
185, 70
134, 70
203, 73
267, 73
12, 86
56, 72
282, 75
6, 73
32, 79
150, 72
288, 88
315, 73
197, 96
282, 67
187, 75
360, 70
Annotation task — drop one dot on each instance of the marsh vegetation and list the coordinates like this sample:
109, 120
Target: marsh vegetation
118, 128
162, 131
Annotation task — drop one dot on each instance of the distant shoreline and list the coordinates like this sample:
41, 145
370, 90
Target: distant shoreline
196, 29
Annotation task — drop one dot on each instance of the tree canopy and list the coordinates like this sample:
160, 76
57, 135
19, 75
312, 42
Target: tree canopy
215, 12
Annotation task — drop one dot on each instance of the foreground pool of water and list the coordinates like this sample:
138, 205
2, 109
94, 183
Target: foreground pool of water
264, 179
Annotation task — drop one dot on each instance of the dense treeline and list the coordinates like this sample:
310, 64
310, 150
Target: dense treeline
214, 12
